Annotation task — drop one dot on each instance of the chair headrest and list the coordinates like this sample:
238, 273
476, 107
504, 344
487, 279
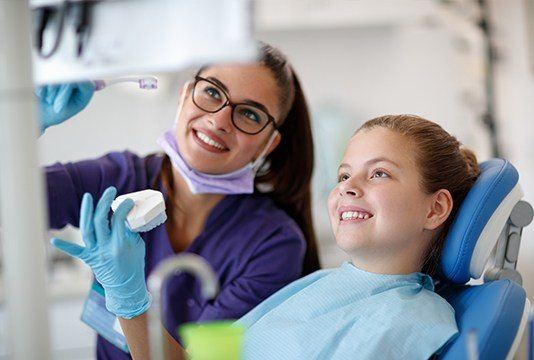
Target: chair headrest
479, 222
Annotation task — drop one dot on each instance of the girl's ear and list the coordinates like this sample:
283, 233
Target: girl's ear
440, 209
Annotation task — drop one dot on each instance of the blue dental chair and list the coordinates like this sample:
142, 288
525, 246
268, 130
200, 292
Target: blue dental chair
484, 240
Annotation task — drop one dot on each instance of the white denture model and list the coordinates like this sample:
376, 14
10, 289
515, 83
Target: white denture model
148, 211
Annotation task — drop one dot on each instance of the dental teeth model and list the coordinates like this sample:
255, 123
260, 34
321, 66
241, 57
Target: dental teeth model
148, 211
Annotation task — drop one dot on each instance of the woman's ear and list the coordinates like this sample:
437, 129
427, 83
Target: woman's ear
440, 209
275, 143
272, 142
184, 89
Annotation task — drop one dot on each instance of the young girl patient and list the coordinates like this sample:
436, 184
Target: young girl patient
401, 180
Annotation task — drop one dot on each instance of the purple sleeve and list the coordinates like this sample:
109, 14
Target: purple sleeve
275, 263
66, 183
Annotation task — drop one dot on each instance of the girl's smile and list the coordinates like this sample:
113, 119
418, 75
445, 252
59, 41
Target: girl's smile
348, 214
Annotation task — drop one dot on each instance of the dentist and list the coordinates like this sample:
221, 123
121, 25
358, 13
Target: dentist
235, 172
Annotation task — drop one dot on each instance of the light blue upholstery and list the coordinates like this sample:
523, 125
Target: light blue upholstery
497, 179
493, 309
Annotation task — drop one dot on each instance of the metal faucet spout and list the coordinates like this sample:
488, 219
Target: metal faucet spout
190, 263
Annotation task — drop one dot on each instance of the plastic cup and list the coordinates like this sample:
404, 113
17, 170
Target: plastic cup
220, 340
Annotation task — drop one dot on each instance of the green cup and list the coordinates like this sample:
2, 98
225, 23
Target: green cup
221, 340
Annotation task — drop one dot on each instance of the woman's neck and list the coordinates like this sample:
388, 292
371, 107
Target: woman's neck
188, 213
189, 203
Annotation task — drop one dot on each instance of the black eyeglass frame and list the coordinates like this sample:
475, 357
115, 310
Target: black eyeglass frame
270, 118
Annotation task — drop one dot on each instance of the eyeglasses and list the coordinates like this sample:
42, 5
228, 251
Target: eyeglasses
209, 97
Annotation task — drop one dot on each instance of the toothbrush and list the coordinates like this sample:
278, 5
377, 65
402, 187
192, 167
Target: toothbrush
146, 83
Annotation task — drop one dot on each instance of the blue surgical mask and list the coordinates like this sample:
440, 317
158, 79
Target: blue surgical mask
240, 181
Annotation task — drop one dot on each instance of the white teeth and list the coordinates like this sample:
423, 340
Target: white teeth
347, 215
205, 138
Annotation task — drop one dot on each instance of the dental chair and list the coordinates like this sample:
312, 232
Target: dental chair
484, 239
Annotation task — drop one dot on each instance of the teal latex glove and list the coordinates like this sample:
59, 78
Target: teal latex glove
58, 103
116, 255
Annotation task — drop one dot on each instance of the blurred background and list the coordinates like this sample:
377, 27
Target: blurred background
357, 59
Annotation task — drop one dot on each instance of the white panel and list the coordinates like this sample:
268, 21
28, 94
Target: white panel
146, 36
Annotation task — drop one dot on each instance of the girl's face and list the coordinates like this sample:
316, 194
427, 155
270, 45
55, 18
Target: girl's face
196, 130
378, 206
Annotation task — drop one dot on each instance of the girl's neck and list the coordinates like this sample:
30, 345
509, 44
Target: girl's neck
398, 263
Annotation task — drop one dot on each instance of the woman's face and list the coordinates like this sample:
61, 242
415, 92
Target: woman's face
209, 142
378, 206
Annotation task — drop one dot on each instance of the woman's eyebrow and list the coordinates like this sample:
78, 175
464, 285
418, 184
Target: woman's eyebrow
256, 104
218, 82
246, 101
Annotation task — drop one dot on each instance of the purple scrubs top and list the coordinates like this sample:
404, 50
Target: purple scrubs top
254, 247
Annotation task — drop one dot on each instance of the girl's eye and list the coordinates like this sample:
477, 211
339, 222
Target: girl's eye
214, 93
343, 177
379, 174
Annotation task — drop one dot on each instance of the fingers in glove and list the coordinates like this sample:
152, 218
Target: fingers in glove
63, 97
101, 221
71, 249
118, 221
87, 226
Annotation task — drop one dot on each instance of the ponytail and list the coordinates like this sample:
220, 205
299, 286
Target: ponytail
471, 161
290, 172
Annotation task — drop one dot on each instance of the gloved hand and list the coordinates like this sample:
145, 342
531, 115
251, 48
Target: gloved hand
116, 255
58, 103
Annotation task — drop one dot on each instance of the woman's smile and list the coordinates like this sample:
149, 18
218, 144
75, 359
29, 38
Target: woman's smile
207, 140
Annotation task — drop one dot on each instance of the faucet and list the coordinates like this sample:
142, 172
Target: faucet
191, 263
